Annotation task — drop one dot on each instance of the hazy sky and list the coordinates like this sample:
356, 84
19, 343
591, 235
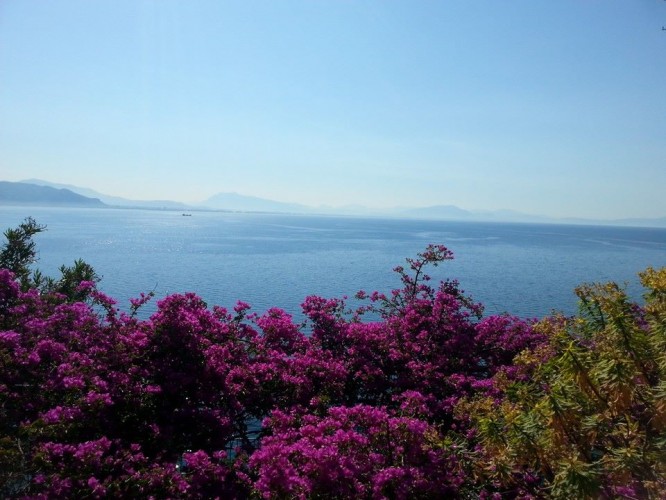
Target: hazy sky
554, 107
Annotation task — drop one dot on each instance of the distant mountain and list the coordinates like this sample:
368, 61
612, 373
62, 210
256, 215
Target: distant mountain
241, 203
452, 212
19, 193
115, 201
633, 222
438, 212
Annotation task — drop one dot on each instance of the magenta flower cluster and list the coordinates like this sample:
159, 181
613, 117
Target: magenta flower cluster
202, 402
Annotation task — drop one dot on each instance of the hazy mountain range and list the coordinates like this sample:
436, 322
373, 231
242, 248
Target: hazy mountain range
40, 192
114, 201
17, 193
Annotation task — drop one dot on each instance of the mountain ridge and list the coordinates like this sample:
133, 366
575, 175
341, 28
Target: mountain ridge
110, 200
244, 203
235, 202
12, 193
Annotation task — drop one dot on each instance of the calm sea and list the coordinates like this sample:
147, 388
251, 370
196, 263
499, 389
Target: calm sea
277, 260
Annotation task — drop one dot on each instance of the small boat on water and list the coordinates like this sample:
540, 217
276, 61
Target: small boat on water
186, 215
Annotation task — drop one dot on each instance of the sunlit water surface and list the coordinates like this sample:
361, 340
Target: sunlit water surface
278, 260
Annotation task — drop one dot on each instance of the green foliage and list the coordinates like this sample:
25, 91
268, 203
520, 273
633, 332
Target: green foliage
70, 278
589, 420
19, 253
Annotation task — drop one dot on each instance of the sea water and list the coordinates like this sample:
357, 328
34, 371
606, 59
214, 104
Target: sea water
275, 260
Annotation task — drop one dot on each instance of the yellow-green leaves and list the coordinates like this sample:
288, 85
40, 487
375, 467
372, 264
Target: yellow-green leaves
591, 420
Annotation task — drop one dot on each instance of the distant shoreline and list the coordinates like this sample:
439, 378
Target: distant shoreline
628, 223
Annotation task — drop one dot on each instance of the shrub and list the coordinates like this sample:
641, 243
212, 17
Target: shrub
590, 421
429, 400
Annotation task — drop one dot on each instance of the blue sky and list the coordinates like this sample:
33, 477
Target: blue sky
547, 107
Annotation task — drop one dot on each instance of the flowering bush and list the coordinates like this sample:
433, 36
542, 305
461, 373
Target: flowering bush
202, 402
360, 451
